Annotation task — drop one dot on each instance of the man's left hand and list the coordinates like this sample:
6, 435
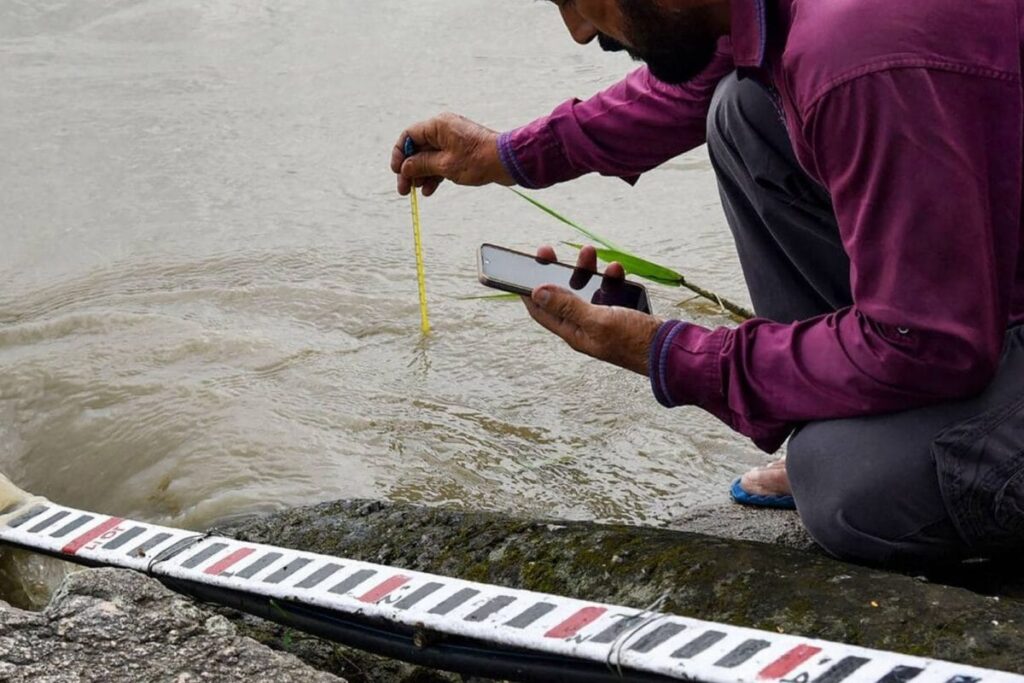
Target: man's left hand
620, 336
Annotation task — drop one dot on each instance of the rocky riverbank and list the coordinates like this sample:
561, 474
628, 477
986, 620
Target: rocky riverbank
783, 586
115, 625
738, 582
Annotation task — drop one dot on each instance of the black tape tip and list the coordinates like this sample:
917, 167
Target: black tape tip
409, 148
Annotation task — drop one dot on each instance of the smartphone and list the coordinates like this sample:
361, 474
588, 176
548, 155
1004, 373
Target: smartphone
514, 271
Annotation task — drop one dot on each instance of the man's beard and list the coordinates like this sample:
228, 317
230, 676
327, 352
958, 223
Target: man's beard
609, 44
676, 46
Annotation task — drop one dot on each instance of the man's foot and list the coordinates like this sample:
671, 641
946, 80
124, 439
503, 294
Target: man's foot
769, 480
766, 486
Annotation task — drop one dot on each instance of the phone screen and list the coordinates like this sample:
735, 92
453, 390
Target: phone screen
515, 271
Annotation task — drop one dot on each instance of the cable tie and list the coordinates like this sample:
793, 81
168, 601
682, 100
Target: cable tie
648, 616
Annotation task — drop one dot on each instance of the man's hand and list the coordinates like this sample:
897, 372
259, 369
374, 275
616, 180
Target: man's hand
448, 147
620, 336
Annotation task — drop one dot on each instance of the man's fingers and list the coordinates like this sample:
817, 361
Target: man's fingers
587, 258
560, 303
615, 271
397, 157
428, 135
404, 186
430, 186
425, 137
418, 134
451, 147
546, 253
425, 165
568, 331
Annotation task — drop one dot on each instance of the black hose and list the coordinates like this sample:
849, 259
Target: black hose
396, 641
457, 654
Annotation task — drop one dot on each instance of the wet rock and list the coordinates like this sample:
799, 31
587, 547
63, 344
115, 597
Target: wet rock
737, 582
110, 625
728, 520
782, 527
354, 666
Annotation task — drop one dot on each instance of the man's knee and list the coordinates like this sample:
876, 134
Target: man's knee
881, 511
825, 498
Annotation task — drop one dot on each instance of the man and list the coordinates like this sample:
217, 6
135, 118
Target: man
869, 158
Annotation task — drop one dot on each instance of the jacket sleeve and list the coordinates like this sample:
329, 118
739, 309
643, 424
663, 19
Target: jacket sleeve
623, 131
924, 171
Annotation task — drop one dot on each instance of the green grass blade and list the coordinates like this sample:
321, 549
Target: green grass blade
634, 265
493, 297
579, 228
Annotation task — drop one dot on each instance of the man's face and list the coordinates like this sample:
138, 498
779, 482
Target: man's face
676, 38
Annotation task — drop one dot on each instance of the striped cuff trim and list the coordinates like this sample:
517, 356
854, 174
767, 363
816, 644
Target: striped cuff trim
658, 359
511, 163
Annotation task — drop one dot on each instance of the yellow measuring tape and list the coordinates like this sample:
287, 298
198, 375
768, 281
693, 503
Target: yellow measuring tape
409, 148
421, 276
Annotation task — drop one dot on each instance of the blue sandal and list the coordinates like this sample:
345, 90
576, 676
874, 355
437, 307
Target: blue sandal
777, 502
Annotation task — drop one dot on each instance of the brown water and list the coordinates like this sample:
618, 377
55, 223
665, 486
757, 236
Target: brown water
207, 289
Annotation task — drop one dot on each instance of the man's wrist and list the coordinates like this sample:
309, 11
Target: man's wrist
657, 359
510, 163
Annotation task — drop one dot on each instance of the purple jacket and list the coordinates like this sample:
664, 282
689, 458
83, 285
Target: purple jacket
910, 113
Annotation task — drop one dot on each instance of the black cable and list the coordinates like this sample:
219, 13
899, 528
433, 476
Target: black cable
457, 654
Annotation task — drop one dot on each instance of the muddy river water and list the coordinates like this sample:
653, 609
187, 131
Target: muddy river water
207, 287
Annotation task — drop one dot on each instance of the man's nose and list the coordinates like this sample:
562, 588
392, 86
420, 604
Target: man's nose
581, 30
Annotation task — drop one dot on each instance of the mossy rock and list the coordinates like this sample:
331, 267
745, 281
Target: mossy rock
736, 582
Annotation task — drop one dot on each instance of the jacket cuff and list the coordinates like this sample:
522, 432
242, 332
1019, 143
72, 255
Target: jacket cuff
685, 369
511, 163
656, 360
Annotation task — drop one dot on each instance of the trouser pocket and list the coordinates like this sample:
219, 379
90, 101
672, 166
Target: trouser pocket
981, 471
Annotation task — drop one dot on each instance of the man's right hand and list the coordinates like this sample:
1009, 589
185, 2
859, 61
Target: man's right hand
449, 147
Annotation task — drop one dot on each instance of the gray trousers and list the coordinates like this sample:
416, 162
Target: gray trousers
921, 487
